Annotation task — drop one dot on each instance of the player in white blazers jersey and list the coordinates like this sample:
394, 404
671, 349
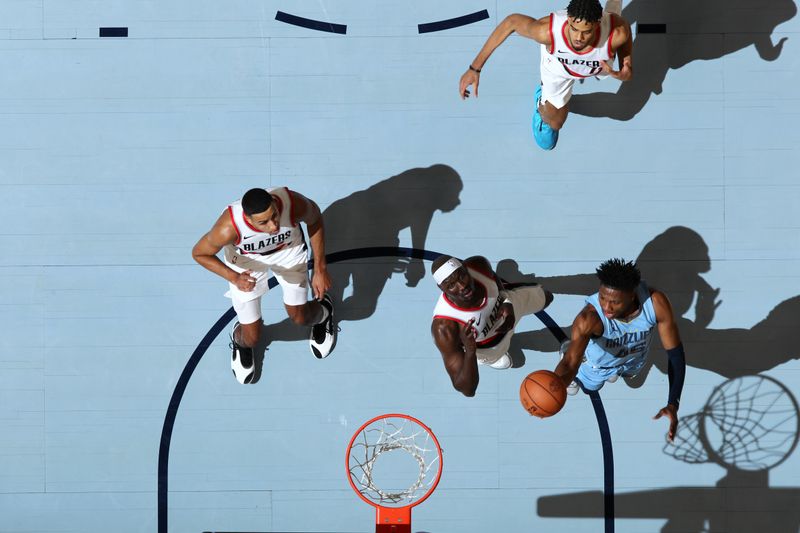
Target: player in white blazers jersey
260, 234
579, 42
611, 336
475, 317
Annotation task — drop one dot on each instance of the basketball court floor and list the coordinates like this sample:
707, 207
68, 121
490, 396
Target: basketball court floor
117, 152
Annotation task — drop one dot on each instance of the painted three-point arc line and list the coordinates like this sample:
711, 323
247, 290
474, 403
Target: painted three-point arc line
347, 255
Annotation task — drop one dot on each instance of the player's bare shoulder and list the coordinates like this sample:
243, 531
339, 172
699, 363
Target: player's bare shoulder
224, 231
621, 33
304, 209
444, 331
588, 322
300, 200
661, 304
538, 29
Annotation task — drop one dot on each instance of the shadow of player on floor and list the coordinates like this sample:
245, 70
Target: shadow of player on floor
696, 31
375, 217
674, 262
748, 426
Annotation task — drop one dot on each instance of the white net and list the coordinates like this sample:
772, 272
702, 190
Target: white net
408, 467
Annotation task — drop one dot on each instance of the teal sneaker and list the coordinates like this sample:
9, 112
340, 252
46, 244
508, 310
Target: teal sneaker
545, 136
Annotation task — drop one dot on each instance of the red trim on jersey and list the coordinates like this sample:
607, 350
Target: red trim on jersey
484, 342
445, 317
573, 73
569, 45
611, 36
552, 36
244, 217
235, 227
481, 306
278, 206
292, 217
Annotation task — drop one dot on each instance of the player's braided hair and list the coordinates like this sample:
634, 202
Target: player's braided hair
619, 274
256, 201
586, 10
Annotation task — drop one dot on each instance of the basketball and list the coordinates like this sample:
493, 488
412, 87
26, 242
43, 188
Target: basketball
542, 393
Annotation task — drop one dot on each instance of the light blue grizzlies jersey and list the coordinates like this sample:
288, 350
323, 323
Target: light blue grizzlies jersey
622, 342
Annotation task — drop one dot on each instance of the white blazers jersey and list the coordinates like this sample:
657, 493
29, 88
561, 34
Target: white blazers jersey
569, 62
255, 242
485, 315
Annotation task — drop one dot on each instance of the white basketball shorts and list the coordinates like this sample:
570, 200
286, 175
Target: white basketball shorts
290, 269
526, 300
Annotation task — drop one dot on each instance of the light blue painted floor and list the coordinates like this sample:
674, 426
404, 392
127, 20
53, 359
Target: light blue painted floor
117, 154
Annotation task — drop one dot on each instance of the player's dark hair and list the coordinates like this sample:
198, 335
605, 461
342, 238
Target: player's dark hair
439, 261
586, 10
256, 201
619, 274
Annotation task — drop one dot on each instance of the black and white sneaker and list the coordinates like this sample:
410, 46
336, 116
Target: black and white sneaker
242, 362
323, 335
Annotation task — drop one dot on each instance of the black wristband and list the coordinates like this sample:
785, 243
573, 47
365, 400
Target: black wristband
473, 69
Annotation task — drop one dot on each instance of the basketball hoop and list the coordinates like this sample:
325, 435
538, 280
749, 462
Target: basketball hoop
409, 470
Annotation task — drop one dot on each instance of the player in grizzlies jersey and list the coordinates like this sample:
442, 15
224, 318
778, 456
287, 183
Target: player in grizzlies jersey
475, 316
258, 234
611, 336
577, 43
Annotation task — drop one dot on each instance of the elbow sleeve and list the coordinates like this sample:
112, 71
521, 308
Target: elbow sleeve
676, 370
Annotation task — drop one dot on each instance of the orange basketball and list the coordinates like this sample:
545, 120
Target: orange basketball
542, 393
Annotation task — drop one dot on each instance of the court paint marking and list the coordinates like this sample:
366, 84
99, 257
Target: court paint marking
311, 24
455, 22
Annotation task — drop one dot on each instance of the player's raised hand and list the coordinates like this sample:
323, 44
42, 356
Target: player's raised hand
245, 281
414, 272
623, 74
470, 77
671, 412
467, 333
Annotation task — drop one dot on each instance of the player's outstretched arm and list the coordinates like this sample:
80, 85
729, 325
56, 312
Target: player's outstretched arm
415, 270
584, 327
456, 342
308, 211
536, 29
671, 340
622, 46
206, 250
